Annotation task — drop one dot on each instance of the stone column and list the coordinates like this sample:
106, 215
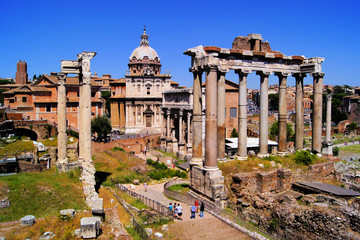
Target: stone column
221, 114
188, 140
168, 124
317, 112
211, 119
328, 118
61, 114
181, 141
299, 109
327, 144
81, 126
282, 111
197, 119
242, 116
264, 113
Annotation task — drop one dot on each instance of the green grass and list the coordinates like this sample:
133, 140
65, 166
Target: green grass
351, 148
17, 147
41, 194
342, 139
183, 188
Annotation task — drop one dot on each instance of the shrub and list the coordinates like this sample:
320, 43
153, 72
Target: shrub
304, 157
114, 149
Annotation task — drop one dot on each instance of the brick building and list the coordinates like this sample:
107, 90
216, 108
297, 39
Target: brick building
38, 100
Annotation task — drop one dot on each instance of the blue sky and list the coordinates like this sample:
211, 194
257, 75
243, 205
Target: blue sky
44, 32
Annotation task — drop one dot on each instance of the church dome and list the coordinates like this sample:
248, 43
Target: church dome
144, 50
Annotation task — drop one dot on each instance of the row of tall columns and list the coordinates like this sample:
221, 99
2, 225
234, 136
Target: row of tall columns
215, 115
61, 114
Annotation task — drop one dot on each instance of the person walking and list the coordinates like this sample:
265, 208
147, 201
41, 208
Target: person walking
202, 208
175, 210
197, 206
179, 211
192, 210
145, 186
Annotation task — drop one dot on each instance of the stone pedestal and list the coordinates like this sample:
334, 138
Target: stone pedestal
208, 183
97, 208
90, 227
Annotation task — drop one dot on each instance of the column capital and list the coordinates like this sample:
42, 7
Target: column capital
211, 67
243, 71
282, 74
222, 70
86, 78
317, 74
299, 75
264, 73
181, 112
196, 69
189, 114
168, 111
61, 78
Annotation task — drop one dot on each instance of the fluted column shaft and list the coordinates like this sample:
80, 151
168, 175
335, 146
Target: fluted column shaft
282, 111
188, 127
61, 114
211, 119
242, 116
221, 115
299, 109
317, 112
197, 120
264, 113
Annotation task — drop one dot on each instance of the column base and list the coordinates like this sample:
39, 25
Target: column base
211, 169
221, 159
196, 162
208, 182
241, 158
262, 155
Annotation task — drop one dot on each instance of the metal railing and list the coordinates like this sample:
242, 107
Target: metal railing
229, 218
157, 206
138, 228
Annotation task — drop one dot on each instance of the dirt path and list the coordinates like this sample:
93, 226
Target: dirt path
208, 227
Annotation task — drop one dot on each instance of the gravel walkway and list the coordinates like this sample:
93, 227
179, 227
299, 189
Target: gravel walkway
208, 227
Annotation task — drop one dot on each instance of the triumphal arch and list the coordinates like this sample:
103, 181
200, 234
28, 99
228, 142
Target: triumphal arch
248, 55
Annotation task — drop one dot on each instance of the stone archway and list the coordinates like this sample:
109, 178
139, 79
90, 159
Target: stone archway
33, 135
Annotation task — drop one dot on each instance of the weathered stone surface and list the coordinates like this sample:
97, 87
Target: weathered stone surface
67, 214
149, 231
28, 220
98, 206
47, 235
90, 227
136, 182
77, 233
158, 235
165, 228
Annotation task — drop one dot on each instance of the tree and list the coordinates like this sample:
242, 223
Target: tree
352, 126
274, 101
234, 133
105, 95
274, 132
101, 126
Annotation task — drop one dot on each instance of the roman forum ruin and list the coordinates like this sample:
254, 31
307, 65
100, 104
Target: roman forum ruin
247, 55
80, 66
